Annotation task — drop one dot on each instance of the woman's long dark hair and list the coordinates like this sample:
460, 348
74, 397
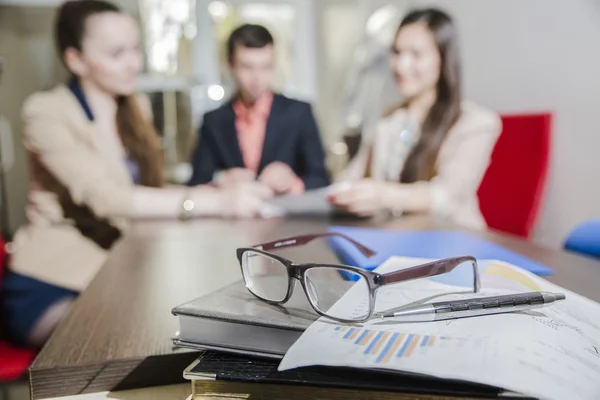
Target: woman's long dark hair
137, 133
445, 111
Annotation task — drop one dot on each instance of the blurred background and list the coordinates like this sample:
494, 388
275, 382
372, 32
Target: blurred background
519, 56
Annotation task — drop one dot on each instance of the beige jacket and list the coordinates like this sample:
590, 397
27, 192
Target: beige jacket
80, 195
461, 165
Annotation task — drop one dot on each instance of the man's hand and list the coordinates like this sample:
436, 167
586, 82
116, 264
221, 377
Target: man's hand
279, 177
234, 176
244, 200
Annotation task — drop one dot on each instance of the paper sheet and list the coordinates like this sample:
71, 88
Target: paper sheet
549, 353
312, 202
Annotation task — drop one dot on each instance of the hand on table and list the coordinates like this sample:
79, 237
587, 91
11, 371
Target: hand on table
244, 200
234, 176
279, 177
363, 198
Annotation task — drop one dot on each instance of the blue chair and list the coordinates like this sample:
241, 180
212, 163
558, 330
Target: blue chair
585, 239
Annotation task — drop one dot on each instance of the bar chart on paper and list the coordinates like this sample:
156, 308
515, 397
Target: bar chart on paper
384, 346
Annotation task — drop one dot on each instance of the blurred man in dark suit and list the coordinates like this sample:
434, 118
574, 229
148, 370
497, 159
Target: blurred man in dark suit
258, 134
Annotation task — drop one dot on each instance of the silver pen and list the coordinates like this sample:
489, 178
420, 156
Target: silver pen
473, 307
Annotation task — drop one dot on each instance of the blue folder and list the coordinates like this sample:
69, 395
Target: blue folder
423, 244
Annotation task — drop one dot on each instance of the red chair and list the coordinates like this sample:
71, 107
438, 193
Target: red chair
512, 189
14, 360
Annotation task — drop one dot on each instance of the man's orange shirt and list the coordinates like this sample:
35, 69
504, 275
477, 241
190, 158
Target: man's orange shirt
251, 128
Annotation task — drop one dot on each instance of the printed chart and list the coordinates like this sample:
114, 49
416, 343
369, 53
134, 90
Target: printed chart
384, 346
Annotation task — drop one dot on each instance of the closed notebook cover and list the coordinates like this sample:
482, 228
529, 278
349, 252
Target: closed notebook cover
235, 303
219, 366
423, 244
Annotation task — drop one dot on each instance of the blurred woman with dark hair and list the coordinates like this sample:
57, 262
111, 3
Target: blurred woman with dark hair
95, 163
429, 154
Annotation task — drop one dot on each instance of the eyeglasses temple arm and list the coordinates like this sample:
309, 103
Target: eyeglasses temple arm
304, 239
432, 269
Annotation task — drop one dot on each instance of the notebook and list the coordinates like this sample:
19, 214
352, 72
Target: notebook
233, 320
423, 244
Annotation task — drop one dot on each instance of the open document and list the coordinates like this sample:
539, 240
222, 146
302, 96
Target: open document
548, 353
311, 203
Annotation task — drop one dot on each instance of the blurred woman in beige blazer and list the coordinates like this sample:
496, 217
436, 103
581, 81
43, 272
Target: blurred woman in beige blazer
430, 153
95, 163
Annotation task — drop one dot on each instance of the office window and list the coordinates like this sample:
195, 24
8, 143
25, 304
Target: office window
278, 18
169, 28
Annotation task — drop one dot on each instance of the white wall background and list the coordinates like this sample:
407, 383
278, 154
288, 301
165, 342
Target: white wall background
531, 55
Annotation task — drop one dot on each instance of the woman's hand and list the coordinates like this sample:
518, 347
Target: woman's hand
243, 200
363, 198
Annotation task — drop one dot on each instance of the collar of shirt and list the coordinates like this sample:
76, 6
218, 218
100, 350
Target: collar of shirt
260, 109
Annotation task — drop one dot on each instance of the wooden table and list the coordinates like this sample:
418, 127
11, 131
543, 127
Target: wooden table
118, 334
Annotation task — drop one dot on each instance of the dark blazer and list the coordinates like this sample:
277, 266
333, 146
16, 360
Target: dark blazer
292, 137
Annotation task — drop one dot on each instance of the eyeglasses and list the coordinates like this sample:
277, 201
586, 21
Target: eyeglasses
270, 277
